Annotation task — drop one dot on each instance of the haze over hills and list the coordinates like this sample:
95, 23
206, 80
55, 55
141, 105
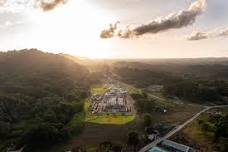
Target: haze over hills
216, 68
44, 97
113, 76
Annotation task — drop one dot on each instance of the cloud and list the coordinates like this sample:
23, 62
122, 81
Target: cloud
219, 33
2, 2
45, 5
174, 20
110, 32
197, 36
223, 32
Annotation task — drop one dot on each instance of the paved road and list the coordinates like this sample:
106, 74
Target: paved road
178, 128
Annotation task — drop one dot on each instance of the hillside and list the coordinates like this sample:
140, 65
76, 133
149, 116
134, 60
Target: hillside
40, 94
194, 81
206, 68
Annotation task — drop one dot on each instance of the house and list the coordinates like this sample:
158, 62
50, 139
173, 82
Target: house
152, 137
175, 147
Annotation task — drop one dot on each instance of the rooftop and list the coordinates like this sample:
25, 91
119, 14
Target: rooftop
180, 147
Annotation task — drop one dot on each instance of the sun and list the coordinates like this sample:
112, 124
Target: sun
73, 28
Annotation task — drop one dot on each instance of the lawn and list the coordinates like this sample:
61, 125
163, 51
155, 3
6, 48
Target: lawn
115, 119
97, 89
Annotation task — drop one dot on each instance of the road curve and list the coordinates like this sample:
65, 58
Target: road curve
178, 128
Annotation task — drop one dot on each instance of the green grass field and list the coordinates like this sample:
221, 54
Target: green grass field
134, 90
97, 89
115, 119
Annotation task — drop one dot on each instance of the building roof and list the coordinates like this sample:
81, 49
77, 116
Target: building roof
175, 145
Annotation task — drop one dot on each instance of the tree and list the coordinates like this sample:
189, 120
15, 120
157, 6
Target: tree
41, 135
133, 138
39, 100
222, 128
147, 120
205, 126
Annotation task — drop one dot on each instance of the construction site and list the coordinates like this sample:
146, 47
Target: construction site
114, 100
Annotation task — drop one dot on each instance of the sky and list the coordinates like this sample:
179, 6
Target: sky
75, 28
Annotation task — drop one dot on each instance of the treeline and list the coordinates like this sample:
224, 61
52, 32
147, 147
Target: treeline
221, 133
182, 86
142, 77
198, 91
40, 95
217, 127
216, 68
143, 103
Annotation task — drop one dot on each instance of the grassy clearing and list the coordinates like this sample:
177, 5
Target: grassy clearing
115, 119
197, 136
110, 119
97, 89
202, 139
132, 89
195, 132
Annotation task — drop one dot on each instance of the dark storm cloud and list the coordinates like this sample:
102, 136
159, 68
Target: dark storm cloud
172, 21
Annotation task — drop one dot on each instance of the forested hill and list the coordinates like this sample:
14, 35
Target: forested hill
201, 83
40, 94
36, 62
197, 68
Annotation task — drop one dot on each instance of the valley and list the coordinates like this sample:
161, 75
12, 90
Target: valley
109, 107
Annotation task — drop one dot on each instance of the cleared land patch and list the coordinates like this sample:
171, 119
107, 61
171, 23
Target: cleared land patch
115, 118
97, 89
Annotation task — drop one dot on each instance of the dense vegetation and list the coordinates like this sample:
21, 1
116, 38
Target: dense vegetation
142, 77
206, 68
208, 133
221, 133
198, 88
198, 91
143, 103
40, 95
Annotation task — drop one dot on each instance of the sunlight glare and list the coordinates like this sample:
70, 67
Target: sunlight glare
74, 27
